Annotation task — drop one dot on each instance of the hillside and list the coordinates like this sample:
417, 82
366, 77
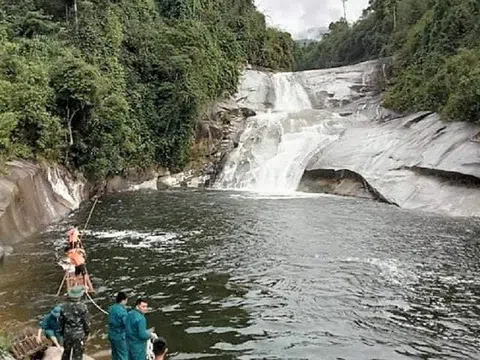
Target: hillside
106, 85
435, 46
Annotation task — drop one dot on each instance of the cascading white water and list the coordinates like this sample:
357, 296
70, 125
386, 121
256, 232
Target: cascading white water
289, 93
415, 161
276, 145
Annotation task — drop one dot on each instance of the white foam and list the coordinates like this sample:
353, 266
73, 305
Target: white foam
147, 239
147, 185
390, 269
273, 195
275, 148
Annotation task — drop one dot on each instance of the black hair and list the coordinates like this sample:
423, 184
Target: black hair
121, 296
140, 300
159, 346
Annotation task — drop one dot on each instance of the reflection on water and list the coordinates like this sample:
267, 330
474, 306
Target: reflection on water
239, 276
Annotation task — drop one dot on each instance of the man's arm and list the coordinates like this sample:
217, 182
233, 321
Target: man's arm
143, 334
86, 326
39, 335
43, 326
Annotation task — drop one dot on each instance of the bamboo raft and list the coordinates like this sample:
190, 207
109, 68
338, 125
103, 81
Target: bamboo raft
25, 345
70, 280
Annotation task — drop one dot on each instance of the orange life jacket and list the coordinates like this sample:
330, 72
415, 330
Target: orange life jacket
76, 257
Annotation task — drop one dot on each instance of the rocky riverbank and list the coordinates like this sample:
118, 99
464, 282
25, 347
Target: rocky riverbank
33, 196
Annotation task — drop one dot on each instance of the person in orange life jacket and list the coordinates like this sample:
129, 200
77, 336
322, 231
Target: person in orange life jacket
77, 258
73, 238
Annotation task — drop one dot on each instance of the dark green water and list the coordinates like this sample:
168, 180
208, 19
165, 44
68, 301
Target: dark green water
237, 276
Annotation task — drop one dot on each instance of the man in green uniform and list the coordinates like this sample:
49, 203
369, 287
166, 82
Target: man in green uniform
136, 331
74, 324
116, 327
50, 326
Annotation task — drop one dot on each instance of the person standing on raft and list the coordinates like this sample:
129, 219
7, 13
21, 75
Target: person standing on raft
136, 331
117, 315
77, 258
74, 240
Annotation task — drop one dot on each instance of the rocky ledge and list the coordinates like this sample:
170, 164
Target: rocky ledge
32, 197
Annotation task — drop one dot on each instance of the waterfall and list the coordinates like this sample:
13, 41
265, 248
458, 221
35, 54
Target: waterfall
277, 144
289, 93
333, 119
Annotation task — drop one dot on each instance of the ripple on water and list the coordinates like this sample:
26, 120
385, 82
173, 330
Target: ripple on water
249, 276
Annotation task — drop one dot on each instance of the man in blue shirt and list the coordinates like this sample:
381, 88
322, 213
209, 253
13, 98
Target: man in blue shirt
50, 325
136, 331
117, 315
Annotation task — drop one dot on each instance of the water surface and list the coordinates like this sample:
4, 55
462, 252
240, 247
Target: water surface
233, 275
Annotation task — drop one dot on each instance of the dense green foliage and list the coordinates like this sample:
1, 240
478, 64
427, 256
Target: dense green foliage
435, 45
105, 85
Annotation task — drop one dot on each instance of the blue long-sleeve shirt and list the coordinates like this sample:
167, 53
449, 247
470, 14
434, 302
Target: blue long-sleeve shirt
117, 315
50, 322
136, 328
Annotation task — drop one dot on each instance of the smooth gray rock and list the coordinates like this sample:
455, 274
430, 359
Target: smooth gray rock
333, 119
32, 197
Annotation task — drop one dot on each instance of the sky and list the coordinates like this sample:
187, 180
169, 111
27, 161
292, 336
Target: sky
298, 15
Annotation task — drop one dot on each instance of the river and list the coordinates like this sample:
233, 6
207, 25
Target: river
234, 275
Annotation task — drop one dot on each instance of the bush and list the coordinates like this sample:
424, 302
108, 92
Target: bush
5, 342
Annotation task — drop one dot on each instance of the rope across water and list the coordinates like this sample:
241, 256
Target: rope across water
94, 303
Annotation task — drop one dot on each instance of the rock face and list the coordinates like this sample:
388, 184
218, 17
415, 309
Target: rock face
134, 180
338, 182
416, 162
313, 126
218, 133
32, 197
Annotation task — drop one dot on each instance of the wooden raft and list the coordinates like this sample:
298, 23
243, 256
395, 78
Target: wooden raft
25, 344
71, 280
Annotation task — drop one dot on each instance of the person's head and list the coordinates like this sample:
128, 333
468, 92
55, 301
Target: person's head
142, 305
72, 230
122, 298
56, 311
160, 348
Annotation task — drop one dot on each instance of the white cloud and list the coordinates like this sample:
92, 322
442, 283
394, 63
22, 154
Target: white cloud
298, 15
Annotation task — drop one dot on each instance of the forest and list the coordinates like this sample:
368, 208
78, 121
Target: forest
102, 86
434, 46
